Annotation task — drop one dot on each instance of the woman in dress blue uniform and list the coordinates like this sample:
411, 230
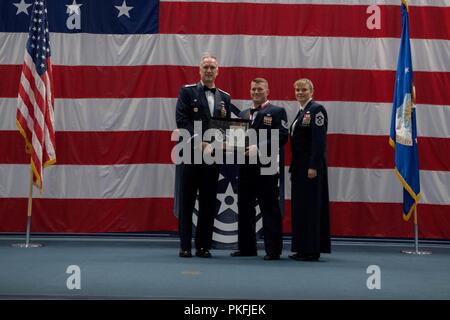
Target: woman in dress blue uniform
310, 200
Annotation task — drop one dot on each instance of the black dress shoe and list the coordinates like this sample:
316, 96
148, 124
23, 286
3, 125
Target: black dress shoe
272, 257
314, 257
185, 254
295, 256
243, 254
305, 257
202, 253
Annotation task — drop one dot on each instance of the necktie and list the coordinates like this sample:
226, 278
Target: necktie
252, 113
213, 90
253, 110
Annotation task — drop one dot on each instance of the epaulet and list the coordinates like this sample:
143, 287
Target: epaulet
190, 85
317, 106
224, 92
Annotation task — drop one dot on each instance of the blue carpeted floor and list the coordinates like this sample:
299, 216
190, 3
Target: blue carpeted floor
149, 268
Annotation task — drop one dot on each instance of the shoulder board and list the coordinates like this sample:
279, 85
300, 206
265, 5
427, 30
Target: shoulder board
224, 92
318, 106
314, 106
190, 85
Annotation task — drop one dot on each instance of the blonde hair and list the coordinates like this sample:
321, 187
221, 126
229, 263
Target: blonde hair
304, 81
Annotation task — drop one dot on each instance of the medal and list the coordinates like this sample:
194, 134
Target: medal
306, 119
267, 120
223, 111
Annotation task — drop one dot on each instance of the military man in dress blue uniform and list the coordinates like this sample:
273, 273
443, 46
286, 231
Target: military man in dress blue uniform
254, 185
199, 102
310, 200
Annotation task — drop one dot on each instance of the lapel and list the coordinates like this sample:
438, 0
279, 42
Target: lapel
299, 116
203, 101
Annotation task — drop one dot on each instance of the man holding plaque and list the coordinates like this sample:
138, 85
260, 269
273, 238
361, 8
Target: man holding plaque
255, 185
197, 104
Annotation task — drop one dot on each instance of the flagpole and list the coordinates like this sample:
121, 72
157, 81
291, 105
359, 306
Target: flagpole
416, 238
416, 231
30, 204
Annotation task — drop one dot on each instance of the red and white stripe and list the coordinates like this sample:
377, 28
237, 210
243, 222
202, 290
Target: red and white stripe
115, 112
35, 117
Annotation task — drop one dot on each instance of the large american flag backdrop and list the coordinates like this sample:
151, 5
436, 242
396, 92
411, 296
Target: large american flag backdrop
118, 67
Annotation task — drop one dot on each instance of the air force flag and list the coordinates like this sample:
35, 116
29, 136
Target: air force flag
403, 135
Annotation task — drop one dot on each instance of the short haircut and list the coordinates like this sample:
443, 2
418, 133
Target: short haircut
261, 80
208, 56
304, 81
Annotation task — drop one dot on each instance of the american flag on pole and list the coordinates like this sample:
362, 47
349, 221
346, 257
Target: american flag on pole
35, 117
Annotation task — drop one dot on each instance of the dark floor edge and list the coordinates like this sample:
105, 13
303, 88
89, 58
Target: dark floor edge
39, 238
174, 235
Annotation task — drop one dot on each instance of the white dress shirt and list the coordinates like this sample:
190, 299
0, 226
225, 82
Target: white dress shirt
210, 98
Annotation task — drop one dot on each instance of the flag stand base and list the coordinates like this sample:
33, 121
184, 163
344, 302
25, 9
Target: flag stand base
29, 245
416, 240
416, 252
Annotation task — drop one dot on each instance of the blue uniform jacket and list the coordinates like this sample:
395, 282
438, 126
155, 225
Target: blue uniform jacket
192, 105
309, 137
270, 117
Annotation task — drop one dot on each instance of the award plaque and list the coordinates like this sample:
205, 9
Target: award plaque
230, 131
